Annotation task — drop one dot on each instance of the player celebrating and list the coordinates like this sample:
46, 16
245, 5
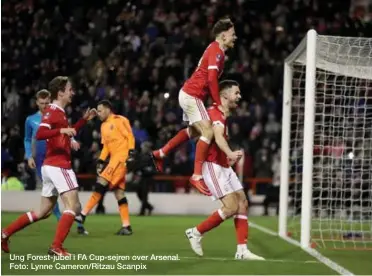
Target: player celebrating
58, 177
117, 140
203, 81
31, 126
221, 180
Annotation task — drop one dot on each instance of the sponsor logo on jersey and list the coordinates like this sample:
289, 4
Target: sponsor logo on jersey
218, 57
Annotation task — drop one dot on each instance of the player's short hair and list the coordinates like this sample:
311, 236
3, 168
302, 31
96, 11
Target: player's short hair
227, 84
222, 25
42, 94
57, 84
105, 103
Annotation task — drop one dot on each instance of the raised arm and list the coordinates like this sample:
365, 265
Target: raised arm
213, 58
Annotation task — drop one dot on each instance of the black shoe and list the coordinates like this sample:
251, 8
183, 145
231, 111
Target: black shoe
81, 230
125, 231
150, 210
80, 218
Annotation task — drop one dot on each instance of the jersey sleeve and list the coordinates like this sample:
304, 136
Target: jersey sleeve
215, 56
46, 129
28, 138
216, 118
126, 130
214, 59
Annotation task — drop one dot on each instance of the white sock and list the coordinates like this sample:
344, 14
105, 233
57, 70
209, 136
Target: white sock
196, 232
241, 247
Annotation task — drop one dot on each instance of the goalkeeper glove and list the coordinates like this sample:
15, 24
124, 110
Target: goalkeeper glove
100, 166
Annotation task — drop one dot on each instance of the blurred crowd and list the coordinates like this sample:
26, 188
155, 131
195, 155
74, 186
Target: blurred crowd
138, 54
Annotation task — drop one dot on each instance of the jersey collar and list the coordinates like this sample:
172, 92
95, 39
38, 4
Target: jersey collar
57, 106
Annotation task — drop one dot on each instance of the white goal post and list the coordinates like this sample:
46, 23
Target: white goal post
326, 151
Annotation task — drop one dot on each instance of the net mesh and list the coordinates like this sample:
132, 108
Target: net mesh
342, 161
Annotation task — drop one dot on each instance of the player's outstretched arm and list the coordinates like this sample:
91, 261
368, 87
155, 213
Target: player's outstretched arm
89, 114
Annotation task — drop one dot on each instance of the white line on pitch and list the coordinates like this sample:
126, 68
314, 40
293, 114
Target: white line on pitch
267, 260
328, 262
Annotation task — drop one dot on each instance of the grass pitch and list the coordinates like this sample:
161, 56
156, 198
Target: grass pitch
158, 236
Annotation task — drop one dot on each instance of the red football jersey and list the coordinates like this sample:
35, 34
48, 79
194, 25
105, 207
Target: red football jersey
213, 59
58, 152
215, 154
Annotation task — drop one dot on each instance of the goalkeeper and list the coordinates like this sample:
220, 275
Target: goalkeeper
117, 139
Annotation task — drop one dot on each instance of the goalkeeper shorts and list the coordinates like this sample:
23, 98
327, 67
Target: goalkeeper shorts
114, 173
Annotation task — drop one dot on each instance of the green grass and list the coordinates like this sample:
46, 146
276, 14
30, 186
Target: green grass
164, 235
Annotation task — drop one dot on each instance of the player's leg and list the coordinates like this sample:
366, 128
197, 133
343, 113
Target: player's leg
48, 200
39, 163
122, 200
182, 136
218, 183
241, 222
118, 185
101, 186
65, 182
196, 114
100, 189
196, 233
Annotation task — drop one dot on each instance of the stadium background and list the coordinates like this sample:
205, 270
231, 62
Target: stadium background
138, 54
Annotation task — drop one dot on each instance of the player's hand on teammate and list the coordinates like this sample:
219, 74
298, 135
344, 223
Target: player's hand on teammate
75, 145
90, 113
31, 163
69, 131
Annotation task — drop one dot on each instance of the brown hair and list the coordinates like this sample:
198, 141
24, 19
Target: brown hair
227, 84
42, 94
222, 25
56, 85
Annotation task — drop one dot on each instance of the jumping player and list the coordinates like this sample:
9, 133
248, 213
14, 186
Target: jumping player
203, 81
58, 177
221, 180
117, 140
36, 150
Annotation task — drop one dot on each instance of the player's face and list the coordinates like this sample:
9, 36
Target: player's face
229, 37
234, 97
68, 93
42, 103
103, 112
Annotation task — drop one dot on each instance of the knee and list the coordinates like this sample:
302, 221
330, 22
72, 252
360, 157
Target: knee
100, 187
208, 133
123, 201
243, 206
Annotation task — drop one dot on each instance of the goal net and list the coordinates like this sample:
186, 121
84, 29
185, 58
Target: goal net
326, 169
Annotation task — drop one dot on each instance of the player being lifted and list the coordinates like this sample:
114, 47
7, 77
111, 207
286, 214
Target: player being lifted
221, 180
117, 140
203, 81
58, 177
35, 151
